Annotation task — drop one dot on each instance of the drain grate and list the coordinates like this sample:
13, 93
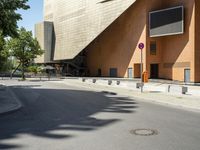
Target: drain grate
144, 132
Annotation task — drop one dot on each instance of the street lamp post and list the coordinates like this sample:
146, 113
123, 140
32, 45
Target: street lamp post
141, 47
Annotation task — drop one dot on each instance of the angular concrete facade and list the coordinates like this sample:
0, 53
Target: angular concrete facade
109, 31
77, 23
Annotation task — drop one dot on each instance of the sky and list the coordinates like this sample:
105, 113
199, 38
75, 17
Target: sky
32, 15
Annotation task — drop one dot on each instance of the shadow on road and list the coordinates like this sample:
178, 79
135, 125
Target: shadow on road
48, 111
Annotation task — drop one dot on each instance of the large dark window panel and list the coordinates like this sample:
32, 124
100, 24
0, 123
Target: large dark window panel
167, 21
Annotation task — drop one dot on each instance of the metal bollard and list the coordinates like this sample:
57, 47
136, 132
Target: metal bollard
168, 88
109, 82
184, 90
137, 85
118, 83
94, 80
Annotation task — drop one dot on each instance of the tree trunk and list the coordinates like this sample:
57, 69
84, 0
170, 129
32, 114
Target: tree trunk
12, 73
23, 76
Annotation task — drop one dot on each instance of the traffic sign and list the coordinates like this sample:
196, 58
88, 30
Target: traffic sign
141, 46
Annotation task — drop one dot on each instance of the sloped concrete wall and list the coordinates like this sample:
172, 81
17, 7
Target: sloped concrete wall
79, 22
117, 46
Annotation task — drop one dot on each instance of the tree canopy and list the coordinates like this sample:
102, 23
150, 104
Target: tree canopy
4, 54
25, 48
9, 16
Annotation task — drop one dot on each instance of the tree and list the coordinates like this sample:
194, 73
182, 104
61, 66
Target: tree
4, 54
8, 25
9, 16
25, 48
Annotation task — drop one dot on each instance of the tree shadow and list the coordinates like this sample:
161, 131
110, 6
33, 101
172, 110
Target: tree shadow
5, 146
26, 86
55, 110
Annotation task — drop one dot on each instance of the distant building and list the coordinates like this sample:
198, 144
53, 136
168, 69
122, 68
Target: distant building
101, 37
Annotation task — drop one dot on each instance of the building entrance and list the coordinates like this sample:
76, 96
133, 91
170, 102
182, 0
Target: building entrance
99, 73
136, 70
154, 71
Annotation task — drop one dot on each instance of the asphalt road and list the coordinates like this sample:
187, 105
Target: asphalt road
62, 117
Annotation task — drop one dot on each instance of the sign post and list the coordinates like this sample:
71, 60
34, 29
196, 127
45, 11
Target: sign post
141, 47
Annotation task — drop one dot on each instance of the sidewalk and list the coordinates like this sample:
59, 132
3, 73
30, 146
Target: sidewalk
8, 101
174, 88
153, 92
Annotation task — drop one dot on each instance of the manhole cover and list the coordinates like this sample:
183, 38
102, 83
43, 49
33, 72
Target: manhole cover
144, 132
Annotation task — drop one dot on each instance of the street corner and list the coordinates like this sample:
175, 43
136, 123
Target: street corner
2, 86
8, 100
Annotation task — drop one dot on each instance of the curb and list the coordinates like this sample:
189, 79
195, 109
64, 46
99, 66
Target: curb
17, 106
167, 104
152, 100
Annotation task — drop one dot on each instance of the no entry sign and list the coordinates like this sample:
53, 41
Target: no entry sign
141, 46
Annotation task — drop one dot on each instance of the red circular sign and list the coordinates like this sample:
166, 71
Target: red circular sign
141, 46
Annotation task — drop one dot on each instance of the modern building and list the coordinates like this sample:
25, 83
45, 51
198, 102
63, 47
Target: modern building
101, 37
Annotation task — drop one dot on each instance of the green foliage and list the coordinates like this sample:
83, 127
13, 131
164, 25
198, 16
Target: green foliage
25, 48
6, 66
2, 41
34, 69
8, 26
9, 16
4, 53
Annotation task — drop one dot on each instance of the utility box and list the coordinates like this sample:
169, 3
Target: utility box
118, 82
94, 80
109, 82
145, 77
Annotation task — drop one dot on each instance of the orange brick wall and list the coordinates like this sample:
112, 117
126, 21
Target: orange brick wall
153, 59
116, 47
197, 41
176, 49
179, 48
